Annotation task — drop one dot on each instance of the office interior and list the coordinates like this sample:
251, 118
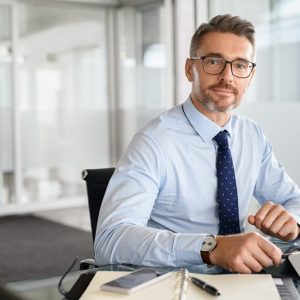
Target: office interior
78, 78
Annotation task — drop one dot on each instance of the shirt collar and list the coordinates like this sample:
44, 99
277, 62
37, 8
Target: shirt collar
206, 128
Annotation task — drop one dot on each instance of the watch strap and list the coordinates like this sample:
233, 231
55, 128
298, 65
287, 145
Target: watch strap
205, 257
205, 254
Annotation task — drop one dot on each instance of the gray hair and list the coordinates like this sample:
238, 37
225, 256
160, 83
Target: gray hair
223, 23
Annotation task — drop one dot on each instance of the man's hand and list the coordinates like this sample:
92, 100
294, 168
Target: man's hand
245, 253
274, 220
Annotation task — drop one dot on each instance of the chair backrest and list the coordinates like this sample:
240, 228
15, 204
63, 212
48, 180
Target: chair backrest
96, 184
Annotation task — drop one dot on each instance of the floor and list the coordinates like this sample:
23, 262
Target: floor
76, 217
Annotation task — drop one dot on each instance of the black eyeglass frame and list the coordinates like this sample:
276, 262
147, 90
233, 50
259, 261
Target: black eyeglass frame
226, 62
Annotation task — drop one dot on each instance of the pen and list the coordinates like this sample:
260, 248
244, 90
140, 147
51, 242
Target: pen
204, 286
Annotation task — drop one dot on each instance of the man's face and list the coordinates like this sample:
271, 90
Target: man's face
223, 92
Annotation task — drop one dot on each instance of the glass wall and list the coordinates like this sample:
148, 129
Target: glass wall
142, 50
63, 117
63, 103
285, 47
57, 121
6, 107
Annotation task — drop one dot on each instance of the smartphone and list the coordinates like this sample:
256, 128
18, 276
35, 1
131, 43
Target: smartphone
135, 281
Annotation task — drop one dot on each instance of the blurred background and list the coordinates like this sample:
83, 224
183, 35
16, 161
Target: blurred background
79, 78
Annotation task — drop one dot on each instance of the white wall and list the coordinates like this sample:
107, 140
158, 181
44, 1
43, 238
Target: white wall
280, 122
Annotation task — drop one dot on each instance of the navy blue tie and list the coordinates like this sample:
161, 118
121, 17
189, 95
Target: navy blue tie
227, 191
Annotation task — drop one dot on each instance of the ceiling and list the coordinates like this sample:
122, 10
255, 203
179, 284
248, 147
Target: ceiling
112, 2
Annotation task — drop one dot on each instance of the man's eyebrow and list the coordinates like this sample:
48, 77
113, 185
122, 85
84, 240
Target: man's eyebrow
243, 58
215, 54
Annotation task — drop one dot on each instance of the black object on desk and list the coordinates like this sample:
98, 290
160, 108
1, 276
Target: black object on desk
80, 286
285, 269
205, 286
286, 288
284, 276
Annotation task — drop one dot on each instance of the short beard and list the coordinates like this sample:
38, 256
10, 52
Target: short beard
215, 105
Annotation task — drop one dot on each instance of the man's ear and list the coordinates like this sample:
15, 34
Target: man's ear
189, 70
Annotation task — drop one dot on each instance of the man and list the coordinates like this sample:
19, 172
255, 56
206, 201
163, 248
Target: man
190, 173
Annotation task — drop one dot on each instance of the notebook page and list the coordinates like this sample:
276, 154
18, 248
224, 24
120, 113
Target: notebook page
231, 287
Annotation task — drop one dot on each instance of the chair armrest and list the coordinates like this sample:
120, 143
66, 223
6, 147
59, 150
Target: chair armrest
87, 263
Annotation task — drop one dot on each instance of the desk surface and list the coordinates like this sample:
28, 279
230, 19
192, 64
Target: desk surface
47, 288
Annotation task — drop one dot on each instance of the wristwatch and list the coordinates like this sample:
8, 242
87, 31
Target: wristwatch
208, 245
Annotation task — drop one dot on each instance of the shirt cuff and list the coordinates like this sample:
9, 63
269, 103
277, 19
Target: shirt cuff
187, 249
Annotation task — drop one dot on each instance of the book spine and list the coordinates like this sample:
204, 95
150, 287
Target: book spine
182, 282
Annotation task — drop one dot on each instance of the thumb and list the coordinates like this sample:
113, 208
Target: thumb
251, 219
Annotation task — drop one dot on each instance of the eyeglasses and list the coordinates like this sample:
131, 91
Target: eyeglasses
216, 65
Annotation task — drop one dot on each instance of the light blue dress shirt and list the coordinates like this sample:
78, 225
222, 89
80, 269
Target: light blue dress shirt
161, 200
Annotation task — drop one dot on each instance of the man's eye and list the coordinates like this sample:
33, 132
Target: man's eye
241, 65
214, 61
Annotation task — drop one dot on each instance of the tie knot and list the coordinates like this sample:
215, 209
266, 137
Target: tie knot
221, 138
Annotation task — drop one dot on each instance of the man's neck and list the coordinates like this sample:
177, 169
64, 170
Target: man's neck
220, 118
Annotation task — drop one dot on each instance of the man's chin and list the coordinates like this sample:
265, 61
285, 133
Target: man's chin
215, 107
227, 108
219, 104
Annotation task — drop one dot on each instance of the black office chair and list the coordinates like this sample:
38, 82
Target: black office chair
96, 184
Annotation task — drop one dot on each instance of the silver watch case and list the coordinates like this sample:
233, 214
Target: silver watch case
209, 243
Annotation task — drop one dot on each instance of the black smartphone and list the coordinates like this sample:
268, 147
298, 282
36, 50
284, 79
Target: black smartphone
135, 281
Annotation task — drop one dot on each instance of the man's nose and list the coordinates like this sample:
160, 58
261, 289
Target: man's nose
226, 75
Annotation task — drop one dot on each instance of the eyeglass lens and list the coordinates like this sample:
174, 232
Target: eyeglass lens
216, 65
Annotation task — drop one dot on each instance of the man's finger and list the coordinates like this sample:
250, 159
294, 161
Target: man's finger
262, 258
275, 211
253, 264
261, 214
289, 229
279, 223
273, 252
251, 219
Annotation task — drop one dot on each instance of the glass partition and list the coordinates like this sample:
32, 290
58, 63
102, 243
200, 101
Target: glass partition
142, 50
60, 120
6, 107
63, 102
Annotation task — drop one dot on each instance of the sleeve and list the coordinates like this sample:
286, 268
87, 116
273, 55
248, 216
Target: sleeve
274, 184
122, 234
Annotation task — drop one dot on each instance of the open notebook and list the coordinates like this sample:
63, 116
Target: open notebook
231, 286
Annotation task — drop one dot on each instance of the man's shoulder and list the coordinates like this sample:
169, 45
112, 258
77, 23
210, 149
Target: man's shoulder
246, 125
166, 121
240, 120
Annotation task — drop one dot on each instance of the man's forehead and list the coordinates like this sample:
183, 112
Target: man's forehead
226, 44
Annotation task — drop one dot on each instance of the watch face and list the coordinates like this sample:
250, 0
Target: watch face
208, 244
